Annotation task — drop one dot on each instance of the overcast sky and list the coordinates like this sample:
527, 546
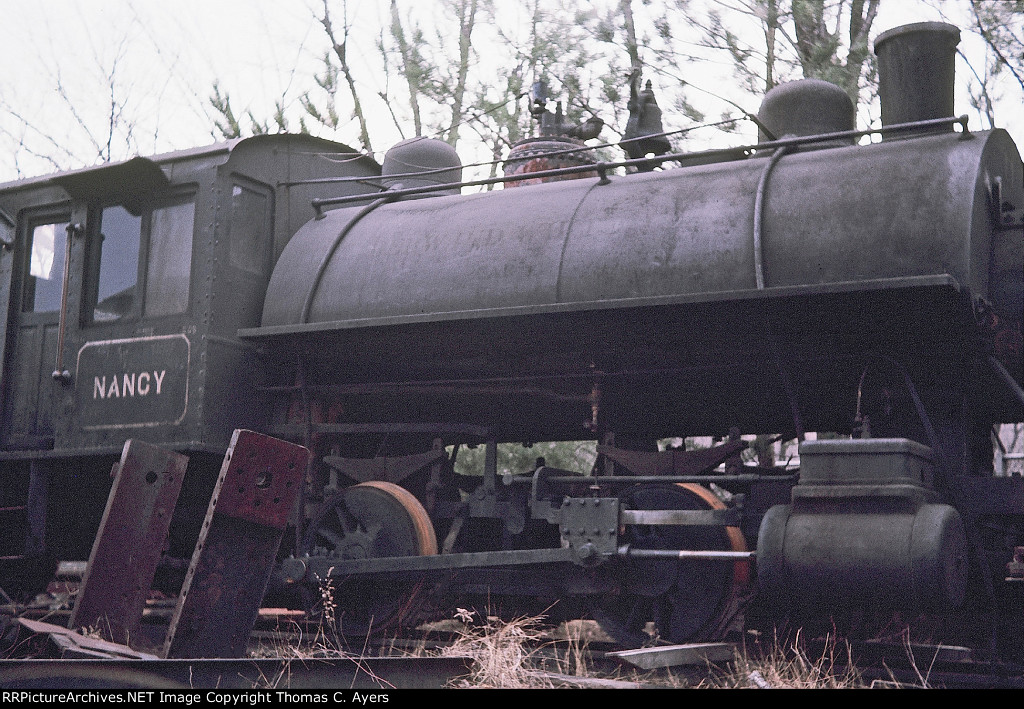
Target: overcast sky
166, 56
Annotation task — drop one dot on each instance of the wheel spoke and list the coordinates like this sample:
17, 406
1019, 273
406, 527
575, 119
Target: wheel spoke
336, 539
373, 531
348, 524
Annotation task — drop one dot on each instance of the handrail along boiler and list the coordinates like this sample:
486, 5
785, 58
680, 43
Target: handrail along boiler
814, 281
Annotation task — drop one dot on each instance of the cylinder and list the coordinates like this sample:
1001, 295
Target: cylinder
888, 556
916, 67
914, 211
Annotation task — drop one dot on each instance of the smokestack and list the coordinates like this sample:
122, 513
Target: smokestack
916, 66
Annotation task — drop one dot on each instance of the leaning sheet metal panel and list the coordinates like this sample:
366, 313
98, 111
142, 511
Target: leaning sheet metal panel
132, 533
237, 545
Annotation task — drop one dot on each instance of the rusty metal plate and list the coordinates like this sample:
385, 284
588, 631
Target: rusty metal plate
260, 477
132, 532
237, 548
653, 658
68, 644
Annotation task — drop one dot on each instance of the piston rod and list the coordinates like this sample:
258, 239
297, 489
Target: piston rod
707, 555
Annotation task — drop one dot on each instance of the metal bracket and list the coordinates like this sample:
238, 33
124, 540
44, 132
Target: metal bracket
1004, 215
393, 469
590, 527
540, 495
673, 462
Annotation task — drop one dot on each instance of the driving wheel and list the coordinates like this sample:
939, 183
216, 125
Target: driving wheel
684, 599
369, 520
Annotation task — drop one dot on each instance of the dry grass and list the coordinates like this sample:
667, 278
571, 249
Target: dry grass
787, 664
522, 654
526, 654
506, 654
305, 641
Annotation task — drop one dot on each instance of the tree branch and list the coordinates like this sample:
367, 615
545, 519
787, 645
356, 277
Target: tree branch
340, 50
987, 36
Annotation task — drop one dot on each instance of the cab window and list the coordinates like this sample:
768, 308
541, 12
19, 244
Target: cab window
170, 259
117, 250
45, 281
250, 226
140, 263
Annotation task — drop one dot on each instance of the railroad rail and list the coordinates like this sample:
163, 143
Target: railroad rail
231, 673
54, 657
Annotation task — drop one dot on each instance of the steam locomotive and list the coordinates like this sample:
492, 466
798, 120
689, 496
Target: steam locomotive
869, 284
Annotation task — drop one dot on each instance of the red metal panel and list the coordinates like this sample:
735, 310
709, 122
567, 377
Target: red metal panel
260, 478
256, 491
131, 537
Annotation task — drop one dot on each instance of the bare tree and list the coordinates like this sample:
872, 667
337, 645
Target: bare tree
818, 44
428, 79
430, 71
825, 39
413, 65
339, 45
465, 12
99, 129
1001, 25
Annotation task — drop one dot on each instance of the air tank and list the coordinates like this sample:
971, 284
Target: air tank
864, 527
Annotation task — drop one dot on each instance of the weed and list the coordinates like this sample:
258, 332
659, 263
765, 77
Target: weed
788, 665
505, 653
